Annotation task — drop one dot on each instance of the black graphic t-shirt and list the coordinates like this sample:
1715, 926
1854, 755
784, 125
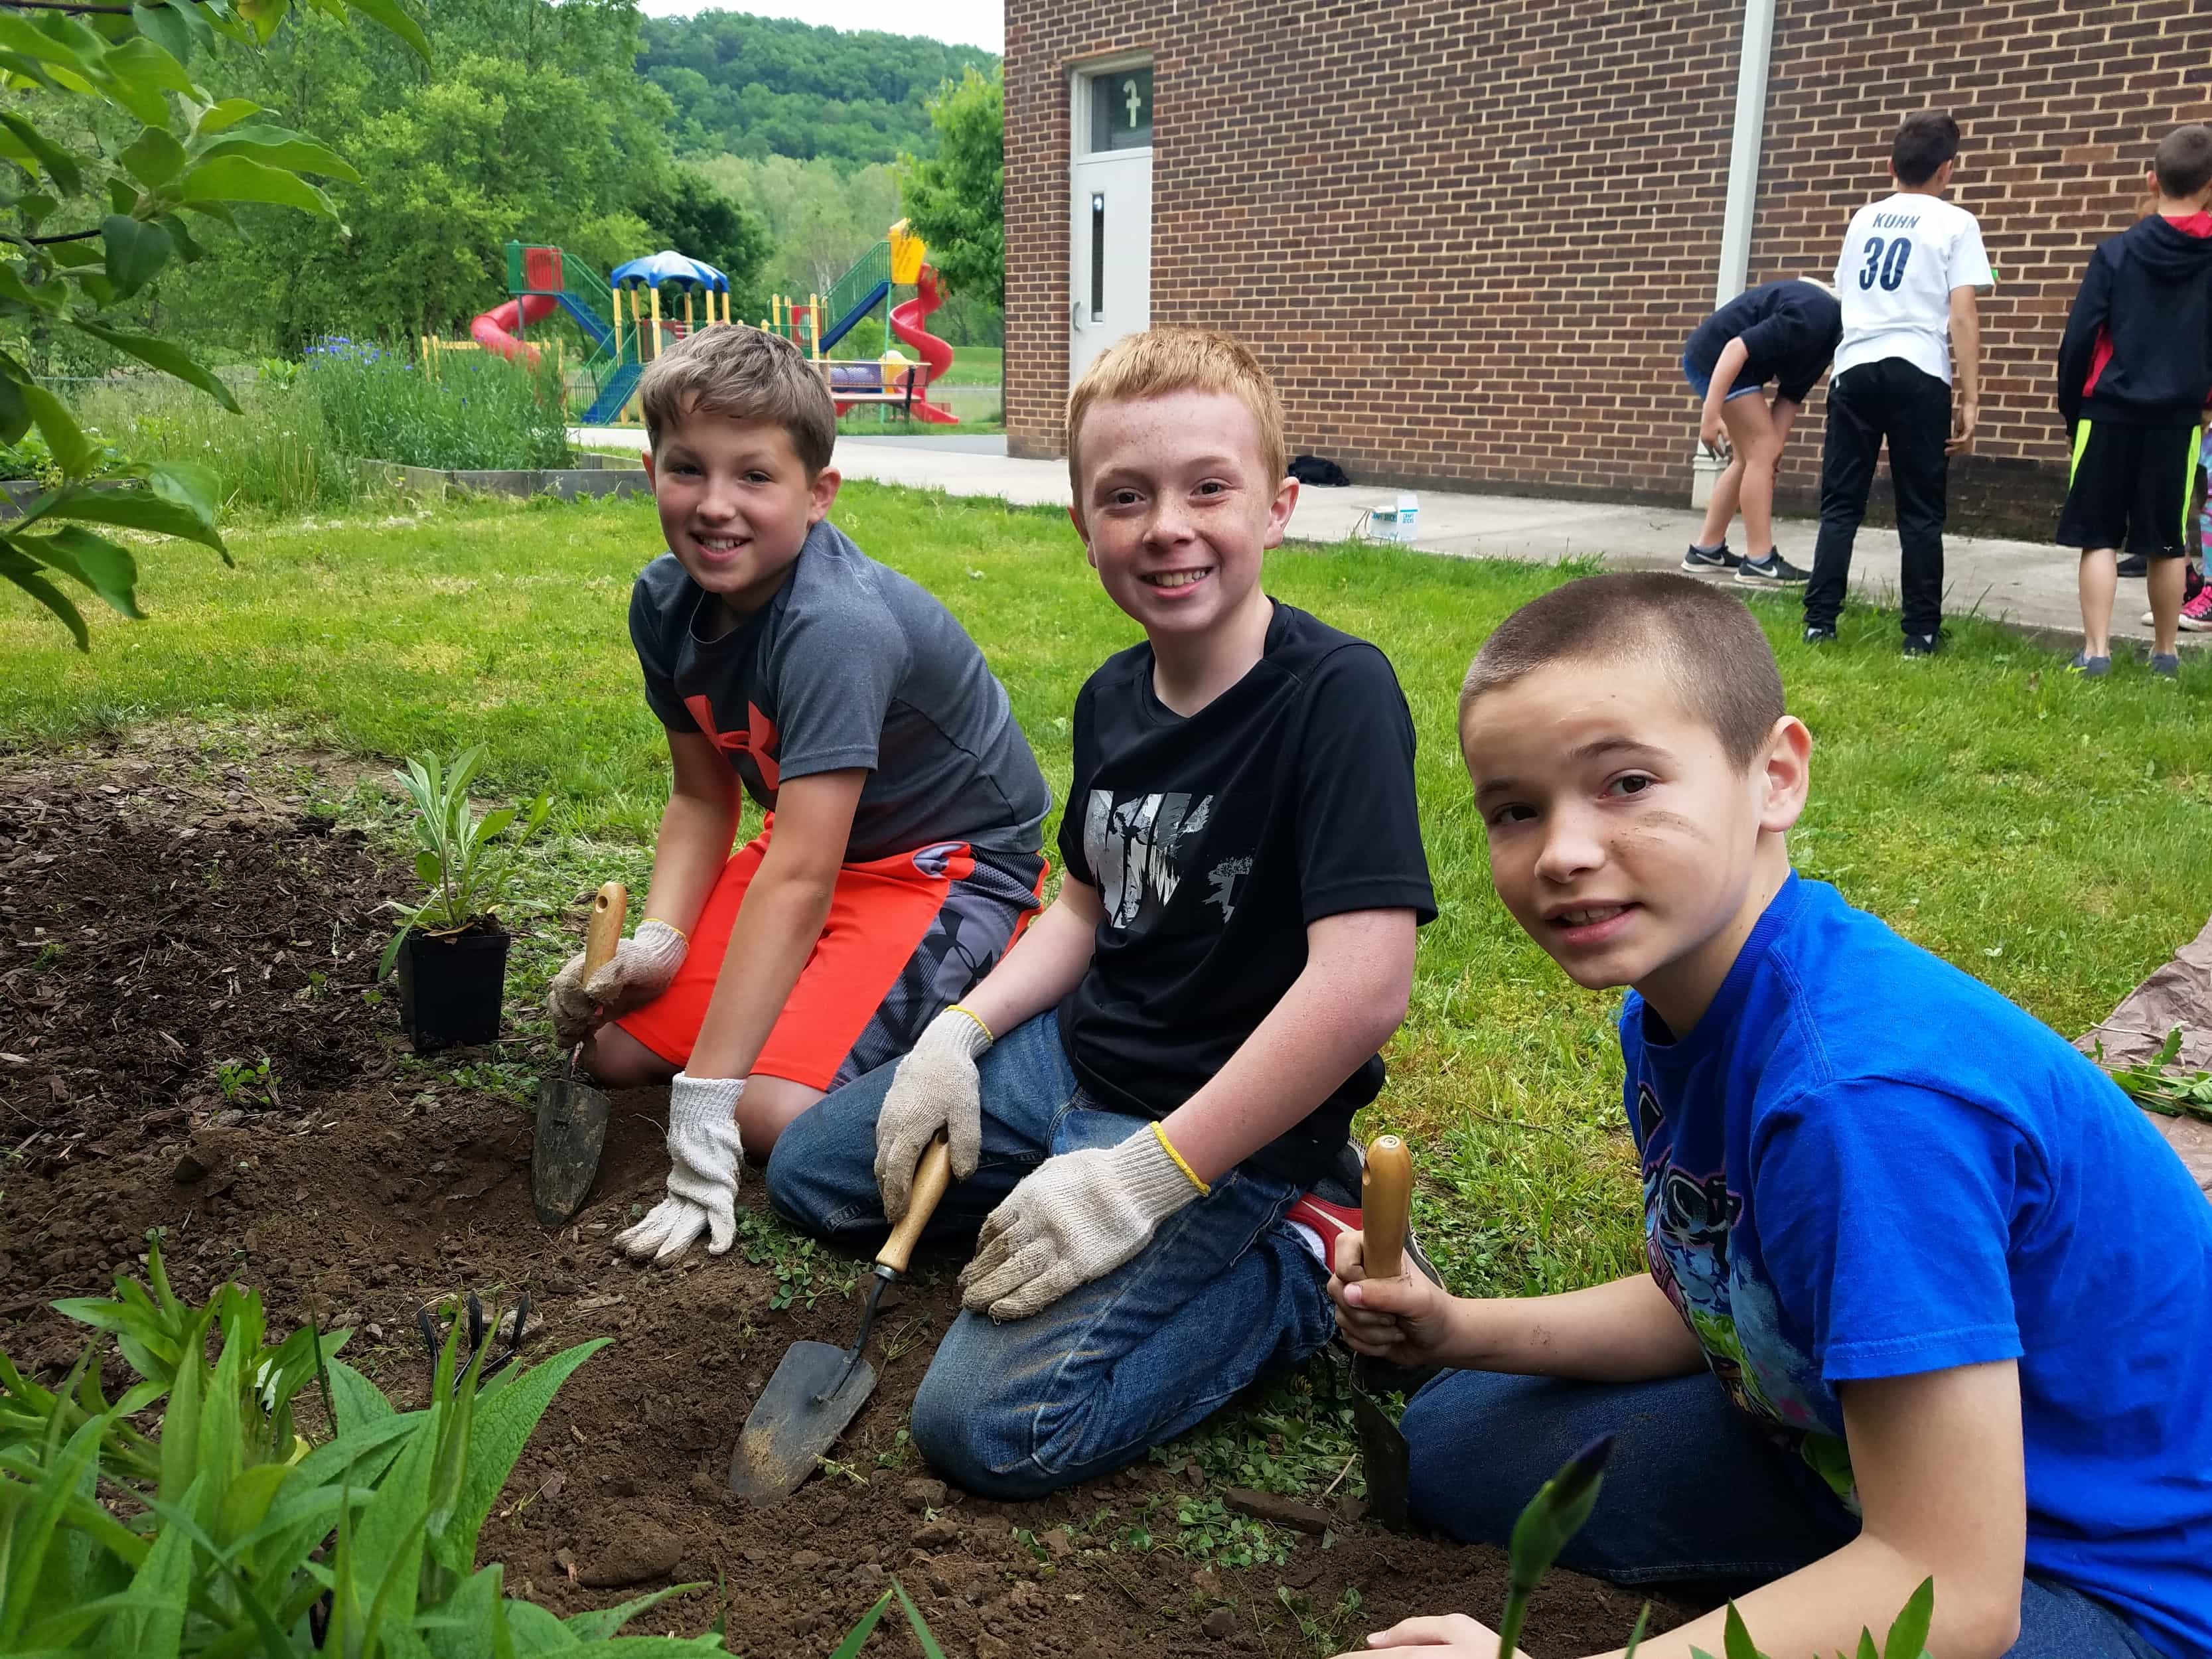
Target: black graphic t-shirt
1213, 843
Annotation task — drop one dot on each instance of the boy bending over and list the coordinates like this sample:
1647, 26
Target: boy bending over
1141, 1091
902, 851
1928, 1295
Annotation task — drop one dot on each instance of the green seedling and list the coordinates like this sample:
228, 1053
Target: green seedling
1553, 1516
240, 1080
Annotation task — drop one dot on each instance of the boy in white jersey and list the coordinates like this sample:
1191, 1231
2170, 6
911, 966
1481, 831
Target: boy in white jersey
1906, 277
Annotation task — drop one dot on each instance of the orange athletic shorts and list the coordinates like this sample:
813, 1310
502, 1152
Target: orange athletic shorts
906, 936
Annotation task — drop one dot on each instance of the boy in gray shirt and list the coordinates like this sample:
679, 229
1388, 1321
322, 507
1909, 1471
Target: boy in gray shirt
902, 852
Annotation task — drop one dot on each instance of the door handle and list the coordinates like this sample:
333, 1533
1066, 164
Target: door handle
1075, 315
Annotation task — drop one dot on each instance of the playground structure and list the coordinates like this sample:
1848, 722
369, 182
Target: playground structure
542, 282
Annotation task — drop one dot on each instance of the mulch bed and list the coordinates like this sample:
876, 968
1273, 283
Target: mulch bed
161, 916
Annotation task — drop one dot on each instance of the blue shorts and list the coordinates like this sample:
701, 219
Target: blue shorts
1701, 380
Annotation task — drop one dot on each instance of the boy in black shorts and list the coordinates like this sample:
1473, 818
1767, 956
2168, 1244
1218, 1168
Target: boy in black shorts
1781, 331
2135, 371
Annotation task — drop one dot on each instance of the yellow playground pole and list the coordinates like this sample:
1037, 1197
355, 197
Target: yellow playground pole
656, 319
687, 310
814, 323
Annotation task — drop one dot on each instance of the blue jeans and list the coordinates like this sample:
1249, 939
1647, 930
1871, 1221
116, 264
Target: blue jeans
1224, 1290
1693, 1491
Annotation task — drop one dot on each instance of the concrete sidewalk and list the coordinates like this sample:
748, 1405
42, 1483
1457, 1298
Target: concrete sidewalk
2026, 585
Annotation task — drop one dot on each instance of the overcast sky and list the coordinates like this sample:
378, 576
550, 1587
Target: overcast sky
964, 23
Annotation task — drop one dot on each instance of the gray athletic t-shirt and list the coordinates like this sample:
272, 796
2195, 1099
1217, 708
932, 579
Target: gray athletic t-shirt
850, 665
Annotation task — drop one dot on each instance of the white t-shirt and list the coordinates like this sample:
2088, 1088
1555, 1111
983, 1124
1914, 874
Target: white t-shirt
1901, 259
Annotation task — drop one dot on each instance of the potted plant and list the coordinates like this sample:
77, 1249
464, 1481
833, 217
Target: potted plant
452, 950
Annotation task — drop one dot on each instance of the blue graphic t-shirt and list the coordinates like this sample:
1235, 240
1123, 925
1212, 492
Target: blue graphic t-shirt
1862, 1163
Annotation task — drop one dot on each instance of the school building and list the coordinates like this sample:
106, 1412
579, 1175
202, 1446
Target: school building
1469, 240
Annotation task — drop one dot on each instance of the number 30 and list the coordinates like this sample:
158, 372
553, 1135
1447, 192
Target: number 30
1889, 270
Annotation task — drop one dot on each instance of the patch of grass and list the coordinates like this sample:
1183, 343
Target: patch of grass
2036, 829
976, 366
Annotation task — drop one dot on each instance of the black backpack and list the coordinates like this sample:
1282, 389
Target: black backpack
1313, 470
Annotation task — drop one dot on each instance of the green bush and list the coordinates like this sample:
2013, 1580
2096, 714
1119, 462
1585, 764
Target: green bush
475, 410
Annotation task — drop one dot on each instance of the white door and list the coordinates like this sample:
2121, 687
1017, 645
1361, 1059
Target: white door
1110, 196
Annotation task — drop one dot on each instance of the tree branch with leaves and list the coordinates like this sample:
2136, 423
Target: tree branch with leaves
189, 158
957, 201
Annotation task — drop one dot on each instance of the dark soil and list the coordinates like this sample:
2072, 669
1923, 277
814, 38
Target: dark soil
160, 920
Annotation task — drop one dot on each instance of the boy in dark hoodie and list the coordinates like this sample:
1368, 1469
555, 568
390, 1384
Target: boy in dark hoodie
2135, 372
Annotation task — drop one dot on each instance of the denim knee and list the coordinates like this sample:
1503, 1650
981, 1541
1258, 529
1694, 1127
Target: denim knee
802, 1174
962, 1431
1475, 1499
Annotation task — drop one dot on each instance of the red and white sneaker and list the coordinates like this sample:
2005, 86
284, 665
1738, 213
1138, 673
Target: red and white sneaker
1323, 1216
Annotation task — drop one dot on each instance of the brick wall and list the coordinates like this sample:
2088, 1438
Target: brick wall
1469, 240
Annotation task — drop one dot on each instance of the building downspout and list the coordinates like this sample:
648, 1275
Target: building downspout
1741, 202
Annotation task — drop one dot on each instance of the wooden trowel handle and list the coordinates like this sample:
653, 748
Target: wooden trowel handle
931, 1177
1386, 1198
609, 911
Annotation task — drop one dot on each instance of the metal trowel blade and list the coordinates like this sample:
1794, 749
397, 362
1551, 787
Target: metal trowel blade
790, 1428
564, 1152
1384, 1455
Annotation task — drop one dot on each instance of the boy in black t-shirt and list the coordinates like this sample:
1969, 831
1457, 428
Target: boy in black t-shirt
1137, 1095
1781, 331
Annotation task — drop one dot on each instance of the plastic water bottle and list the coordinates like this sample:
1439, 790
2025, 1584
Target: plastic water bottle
1409, 515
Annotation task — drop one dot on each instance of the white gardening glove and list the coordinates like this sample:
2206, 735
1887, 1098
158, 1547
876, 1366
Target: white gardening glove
1076, 1218
639, 970
704, 1158
934, 1088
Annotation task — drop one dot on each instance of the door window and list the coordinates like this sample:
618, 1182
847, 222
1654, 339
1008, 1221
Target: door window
1120, 110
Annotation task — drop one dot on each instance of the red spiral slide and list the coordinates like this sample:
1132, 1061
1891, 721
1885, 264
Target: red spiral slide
494, 329
936, 356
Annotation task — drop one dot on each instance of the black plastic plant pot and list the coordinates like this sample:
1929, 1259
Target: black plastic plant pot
451, 987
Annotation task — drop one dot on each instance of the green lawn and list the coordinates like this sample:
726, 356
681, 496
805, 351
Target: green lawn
2045, 833
976, 366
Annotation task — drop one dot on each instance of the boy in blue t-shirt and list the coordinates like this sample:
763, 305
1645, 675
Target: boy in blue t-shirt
1927, 1295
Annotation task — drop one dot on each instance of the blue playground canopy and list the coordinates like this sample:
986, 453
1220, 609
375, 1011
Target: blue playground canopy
670, 266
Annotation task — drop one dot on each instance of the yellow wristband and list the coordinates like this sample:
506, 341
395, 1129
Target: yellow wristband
1168, 1146
962, 1008
669, 926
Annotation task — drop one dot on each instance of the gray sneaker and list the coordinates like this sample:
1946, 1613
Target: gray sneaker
2090, 667
1772, 571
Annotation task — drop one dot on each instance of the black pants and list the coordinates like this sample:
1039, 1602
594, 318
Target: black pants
1889, 399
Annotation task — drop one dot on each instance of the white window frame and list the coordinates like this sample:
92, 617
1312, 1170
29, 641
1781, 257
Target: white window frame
1084, 78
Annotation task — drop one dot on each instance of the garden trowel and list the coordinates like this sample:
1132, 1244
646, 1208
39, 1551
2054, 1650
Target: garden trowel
1386, 1197
572, 1114
817, 1388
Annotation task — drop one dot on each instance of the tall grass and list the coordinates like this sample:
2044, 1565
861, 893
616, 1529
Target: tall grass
301, 425
275, 456
474, 411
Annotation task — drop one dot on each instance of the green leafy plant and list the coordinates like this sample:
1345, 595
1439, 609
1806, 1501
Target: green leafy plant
241, 1079
2152, 1085
229, 1535
112, 158
465, 859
